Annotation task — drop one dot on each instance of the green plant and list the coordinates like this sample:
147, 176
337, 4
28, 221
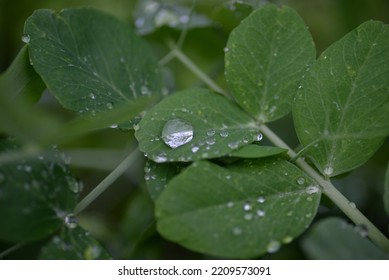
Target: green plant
217, 189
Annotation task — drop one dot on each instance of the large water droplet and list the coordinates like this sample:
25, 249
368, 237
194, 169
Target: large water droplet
71, 221
176, 133
258, 137
26, 38
273, 246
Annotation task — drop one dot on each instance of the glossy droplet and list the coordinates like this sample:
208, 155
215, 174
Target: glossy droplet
362, 230
352, 205
328, 171
258, 137
312, 189
233, 145
160, 158
195, 149
287, 239
273, 246
224, 133
71, 221
176, 133
226, 49
261, 199
26, 38
210, 132
300, 181
92, 96
247, 206
261, 213
109, 105
92, 252
230, 204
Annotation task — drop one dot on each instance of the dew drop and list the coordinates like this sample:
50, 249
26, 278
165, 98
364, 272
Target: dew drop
287, 239
109, 105
312, 189
92, 252
92, 96
226, 49
114, 126
139, 22
273, 246
144, 90
352, 205
300, 181
248, 216
261, 213
328, 171
210, 141
210, 132
233, 145
362, 230
261, 199
71, 221
160, 158
27, 168
195, 149
237, 231
176, 133
26, 38
230, 204
258, 137
224, 133
247, 206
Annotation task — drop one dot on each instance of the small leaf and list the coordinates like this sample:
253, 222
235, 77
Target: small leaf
242, 211
341, 114
266, 57
35, 196
386, 190
256, 151
334, 239
73, 244
194, 124
89, 60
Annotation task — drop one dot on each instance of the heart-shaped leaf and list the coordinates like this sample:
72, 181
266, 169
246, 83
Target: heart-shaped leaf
242, 211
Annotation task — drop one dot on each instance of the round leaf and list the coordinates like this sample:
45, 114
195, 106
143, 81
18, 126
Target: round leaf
266, 57
341, 114
35, 196
244, 211
89, 60
201, 124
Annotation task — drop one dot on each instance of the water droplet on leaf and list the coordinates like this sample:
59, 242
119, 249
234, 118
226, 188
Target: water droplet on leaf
273, 246
160, 158
300, 181
328, 171
176, 133
312, 189
261, 213
261, 199
247, 206
109, 105
71, 221
26, 38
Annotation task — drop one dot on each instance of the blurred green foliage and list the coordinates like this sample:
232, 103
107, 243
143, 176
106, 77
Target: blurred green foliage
122, 218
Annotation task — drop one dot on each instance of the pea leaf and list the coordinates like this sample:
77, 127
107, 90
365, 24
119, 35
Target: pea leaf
386, 190
266, 57
334, 239
341, 113
35, 196
194, 124
242, 211
90, 61
73, 244
257, 151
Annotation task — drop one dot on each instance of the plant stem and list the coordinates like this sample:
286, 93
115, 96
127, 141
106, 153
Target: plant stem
100, 188
11, 249
348, 208
197, 71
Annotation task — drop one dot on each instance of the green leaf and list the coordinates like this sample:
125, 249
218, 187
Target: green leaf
256, 151
209, 126
242, 211
20, 80
266, 57
342, 111
89, 60
334, 239
73, 244
386, 190
157, 176
35, 195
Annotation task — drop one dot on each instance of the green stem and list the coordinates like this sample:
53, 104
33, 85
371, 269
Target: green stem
100, 188
11, 249
197, 71
348, 207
